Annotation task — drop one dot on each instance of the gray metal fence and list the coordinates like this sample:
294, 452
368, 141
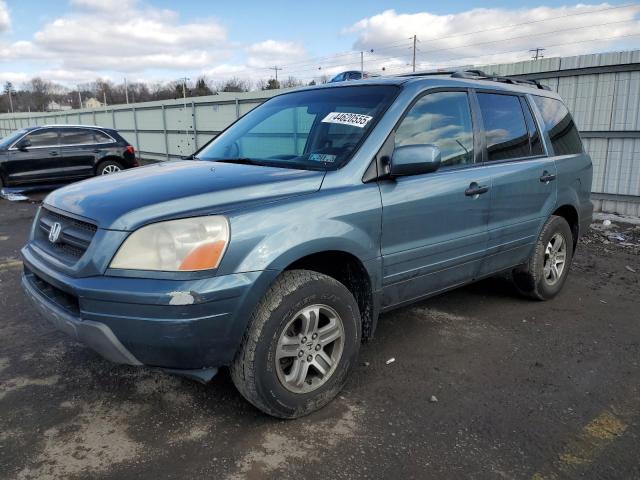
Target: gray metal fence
601, 90
159, 130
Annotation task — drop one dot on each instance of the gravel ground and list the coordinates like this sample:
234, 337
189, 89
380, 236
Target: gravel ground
484, 385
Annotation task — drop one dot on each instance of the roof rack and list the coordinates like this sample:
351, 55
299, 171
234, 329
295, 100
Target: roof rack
473, 74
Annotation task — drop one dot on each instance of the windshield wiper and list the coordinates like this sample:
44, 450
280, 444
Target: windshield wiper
241, 160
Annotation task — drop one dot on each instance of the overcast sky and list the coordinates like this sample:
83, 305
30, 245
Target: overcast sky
76, 41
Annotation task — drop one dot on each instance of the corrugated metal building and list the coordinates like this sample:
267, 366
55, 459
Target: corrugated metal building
601, 90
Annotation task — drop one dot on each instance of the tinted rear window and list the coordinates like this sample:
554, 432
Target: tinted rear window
560, 126
505, 128
76, 136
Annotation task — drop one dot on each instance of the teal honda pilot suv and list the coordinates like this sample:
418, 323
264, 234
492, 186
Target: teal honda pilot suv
275, 250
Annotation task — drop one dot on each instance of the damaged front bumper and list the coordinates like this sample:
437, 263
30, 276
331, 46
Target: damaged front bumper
188, 327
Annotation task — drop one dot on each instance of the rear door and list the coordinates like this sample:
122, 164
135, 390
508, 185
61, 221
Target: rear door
523, 186
78, 151
39, 161
434, 225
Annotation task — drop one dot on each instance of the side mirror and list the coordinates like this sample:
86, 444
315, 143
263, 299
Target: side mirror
414, 160
23, 144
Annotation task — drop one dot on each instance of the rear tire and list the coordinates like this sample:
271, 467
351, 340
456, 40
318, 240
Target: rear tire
307, 323
547, 269
108, 167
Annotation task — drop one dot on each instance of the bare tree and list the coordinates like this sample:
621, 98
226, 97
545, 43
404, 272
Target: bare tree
234, 85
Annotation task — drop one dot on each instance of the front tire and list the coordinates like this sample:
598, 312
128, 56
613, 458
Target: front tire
547, 269
302, 341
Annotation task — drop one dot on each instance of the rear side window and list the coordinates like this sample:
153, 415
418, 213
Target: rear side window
76, 136
558, 122
43, 138
442, 119
505, 128
101, 137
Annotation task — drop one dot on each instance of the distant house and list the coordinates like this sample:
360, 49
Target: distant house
92, 103
54, 106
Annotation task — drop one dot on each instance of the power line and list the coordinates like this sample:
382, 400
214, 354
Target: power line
533, 21
546, 47
526, 36
402, 44
333, 58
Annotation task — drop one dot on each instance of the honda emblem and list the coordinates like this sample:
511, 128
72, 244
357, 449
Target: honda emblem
54, 233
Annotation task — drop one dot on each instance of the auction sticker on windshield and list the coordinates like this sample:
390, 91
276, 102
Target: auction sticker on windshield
346, 118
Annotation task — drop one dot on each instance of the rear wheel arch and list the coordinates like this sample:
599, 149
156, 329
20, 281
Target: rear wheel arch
570, 214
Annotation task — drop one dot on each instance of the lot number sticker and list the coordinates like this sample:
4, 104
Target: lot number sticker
345, 118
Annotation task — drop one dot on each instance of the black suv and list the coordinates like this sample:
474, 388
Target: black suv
54, 153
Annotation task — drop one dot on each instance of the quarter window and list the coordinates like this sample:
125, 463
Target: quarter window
534, 134
76, 136
101, 137
442, 119
504, 125
43, 138
558, 122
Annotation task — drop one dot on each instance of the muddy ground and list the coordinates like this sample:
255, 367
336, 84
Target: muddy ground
524, 390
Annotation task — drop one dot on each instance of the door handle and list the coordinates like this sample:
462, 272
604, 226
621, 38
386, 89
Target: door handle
475, 189
547, 177
53, 153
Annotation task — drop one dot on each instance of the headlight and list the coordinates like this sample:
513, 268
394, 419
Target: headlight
188, 244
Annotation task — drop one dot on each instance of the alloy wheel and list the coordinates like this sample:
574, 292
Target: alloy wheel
309, 348
555, 257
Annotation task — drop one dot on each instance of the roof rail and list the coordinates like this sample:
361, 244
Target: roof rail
474, 74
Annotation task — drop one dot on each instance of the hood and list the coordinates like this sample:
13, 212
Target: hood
129, 199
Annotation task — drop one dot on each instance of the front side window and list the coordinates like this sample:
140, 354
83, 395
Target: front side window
560, 126
504, 125
43, 138
76, 136
442, 119
312, 129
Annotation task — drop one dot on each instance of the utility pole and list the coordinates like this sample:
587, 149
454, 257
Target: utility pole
126, 90
415, 40
10, 99
80, 97
275, 68
537, 53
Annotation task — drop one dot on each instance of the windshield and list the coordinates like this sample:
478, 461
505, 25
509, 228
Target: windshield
7, 141
313, 129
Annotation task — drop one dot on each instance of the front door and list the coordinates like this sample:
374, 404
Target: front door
434, 225
37, 160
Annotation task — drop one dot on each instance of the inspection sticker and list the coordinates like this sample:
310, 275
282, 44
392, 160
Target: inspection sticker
346, 118
322, 157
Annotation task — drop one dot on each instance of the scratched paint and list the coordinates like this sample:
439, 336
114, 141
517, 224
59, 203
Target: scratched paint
181, 298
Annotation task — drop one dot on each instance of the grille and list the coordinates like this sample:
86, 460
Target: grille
61, 298
74, 239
